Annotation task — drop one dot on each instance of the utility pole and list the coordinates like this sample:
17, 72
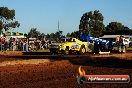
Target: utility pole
59, 31
58, 26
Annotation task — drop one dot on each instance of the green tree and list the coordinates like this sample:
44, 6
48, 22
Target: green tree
75, 34
47, 36
41, 36
34, 33
117, 28
114, 26
92, 22
7, 18
58, 34
68, 35
52, 35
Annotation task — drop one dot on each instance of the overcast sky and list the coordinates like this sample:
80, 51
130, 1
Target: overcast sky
45, 14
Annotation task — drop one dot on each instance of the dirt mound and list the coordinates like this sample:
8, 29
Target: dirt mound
22, 62
8, 53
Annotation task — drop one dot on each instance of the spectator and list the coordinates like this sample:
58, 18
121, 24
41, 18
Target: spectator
3, 43
121, 44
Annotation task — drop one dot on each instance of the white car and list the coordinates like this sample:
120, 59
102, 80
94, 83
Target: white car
127, 40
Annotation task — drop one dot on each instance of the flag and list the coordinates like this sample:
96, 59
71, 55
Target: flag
82, 36
88, 37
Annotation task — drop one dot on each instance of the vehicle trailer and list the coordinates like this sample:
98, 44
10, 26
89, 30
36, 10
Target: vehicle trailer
118, 42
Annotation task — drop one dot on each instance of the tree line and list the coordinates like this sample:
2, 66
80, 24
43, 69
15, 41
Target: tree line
93, 22
90, 22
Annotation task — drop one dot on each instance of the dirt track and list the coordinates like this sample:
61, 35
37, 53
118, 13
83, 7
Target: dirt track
62, 73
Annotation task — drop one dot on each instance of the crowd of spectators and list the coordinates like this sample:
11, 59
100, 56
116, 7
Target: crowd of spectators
36, 44
22, 44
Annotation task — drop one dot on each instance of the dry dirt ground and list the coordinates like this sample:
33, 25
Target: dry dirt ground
62, 73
